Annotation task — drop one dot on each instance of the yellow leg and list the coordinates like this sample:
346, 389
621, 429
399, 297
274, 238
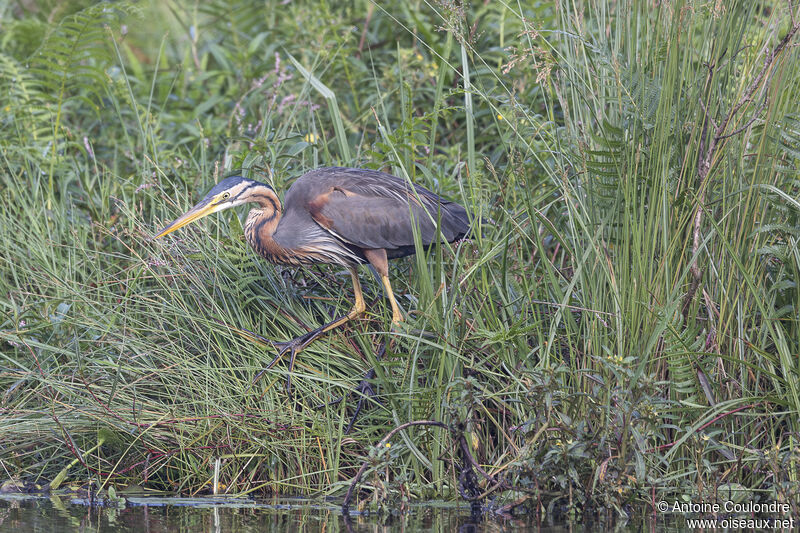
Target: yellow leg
358, 308
296, 345
397, 316
377, 258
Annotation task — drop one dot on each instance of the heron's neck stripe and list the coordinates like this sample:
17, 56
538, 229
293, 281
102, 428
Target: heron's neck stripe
257, 195
247, 188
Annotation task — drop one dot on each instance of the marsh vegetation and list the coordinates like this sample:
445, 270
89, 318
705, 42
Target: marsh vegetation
624, 330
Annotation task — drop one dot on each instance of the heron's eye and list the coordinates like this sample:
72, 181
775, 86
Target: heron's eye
226, 195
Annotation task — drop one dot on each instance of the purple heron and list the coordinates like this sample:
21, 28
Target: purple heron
340, 216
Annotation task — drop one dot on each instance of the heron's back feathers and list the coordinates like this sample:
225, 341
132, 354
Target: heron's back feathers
369, 209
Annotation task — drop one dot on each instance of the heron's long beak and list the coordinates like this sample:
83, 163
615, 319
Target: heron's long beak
205, 207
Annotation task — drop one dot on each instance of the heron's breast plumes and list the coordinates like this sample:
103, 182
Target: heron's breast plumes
294, 244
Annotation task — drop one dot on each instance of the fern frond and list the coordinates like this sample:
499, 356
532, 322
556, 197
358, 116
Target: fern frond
23, 103
790, 141
681, 359
73, 57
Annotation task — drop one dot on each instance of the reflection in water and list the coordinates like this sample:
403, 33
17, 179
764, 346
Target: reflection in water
156, 515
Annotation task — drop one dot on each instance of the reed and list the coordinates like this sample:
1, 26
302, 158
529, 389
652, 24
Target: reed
623, 327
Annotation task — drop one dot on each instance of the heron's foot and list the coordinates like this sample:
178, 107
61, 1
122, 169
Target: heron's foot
298, 344
292, 347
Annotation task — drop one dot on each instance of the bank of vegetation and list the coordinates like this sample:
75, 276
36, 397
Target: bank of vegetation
625, 330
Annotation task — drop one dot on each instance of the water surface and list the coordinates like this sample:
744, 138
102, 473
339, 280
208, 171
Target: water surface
24, 513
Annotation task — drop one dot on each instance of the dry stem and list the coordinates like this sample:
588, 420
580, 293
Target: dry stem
708, 154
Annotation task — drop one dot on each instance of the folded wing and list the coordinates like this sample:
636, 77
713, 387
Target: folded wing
374, 210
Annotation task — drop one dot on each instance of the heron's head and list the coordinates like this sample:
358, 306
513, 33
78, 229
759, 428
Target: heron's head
230, 192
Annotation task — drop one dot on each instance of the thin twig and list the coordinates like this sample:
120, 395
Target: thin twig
748, 95
363, 40
472, 461
381, 444
708, 115
707, 153
467, 469
749, 122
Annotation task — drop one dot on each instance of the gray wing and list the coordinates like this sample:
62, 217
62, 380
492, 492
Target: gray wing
373, 210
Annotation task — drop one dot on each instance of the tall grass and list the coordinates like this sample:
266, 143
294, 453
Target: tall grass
565, 339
